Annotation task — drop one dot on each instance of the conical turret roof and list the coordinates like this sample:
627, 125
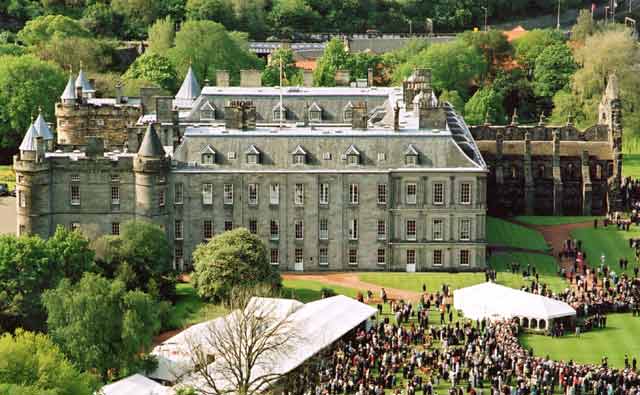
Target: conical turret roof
70, 90
83, 82
42, 128
151, 146
190, 88
29, 142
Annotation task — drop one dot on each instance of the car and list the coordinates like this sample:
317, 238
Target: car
4, 190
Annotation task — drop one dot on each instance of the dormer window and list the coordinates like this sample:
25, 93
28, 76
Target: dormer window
253, 155
279, 113
315, 113
207, 112
299, 156
347, 114
208, 155
411, 156
353, 156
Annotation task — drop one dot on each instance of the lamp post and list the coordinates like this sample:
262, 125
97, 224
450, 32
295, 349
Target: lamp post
558, 23
486, 17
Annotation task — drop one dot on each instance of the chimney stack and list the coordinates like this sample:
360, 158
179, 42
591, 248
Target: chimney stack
360, 116
342, 78
370, 77
250, 78
240, 115
222, 78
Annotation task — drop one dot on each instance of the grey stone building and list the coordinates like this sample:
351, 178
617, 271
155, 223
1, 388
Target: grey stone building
375, 183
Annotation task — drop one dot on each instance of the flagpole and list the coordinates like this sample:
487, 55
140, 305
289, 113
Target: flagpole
280, 107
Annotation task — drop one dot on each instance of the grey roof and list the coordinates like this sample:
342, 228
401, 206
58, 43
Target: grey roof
190, 88
70, 90
352, 150
42, 128
252, 150
151, 145
411, 150
314, 107
29, 140
83, 82
207, 149
299, 151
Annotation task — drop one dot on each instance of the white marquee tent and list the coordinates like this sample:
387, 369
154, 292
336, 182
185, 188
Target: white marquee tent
136, 384
493, 301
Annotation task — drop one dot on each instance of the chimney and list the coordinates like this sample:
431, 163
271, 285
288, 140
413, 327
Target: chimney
95, 147
359, 116
119, 94
79, 96
370, 77
396, 117
222, 78
250, 78
342, 78
307, 78
240, 115
207, 82
430, 117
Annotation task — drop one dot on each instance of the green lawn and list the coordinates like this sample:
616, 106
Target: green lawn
620, 337
309, 290
7, 176
190, 309
554, 220
610, 241
503, 233
545, 265
631, 165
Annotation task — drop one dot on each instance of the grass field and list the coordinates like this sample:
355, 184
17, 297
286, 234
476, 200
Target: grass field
7, 176
620, 337
553, 220
614, 244
503, 233
631, 165
309, 290
190, 309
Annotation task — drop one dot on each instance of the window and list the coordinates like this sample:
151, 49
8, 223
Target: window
382, 229
75, 194
411, 257
253, 194
177, 197
299, 159
464, 257
323, 229
326, 156
115, 194
178, 256
465, 193
437, 258
207, 193
20, 179
315, 113
324, 193
22, 230
275, 256
438, 193
411, 229
75, 226
207, 229
161, 197
208, 159
100, 122
22, 198
299, 229
323, 256
231, 155
411, 160
353, 256
274, 194
465, 229
299, 256
115, 178
412, 193
382, 193
274, 230
228, 225
75, 178
353, 159
347, 114
253, 226
382, 156
252, 159
162, 179
279, 114
115, 228
354, 196
382, 256
438, 229
178, 230
298, 197
228, 194
353, 229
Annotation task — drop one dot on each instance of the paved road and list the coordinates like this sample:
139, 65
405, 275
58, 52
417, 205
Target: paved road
8, 219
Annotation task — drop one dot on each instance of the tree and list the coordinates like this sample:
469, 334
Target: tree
71, 253
517, 94
26, 83
293, 15
155, 68
453, 98
248, 341
529, 46
492, 44
220, 11
208, 47
585, 26
232, 259
140, 257
554, 68
33, 364
161, 36
100, 19
100, 325
250, 17
43, 28
93, 54
292, 75
485, 104
334, 58
138, 15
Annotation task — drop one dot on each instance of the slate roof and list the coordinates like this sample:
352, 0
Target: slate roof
151, 146
42, 128
190, 88
29, 140
70, 90
83, 82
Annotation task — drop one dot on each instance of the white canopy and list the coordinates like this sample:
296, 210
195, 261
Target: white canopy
135, 385
493, 301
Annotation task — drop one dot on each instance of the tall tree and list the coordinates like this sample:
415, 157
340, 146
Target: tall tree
293, 15
492, 44
334, 58
44, 28
485, 104
33, 364
292, 74
554, 68
155, 68
584, 27
220, 11
70, 252
529, 46
161, 36
100, 325
138, 15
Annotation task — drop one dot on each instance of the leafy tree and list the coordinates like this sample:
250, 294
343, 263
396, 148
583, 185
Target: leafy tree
293, 15
93, 54
334, 58
584, 27
553, 69
161, 36
250, 17
517, 94
453, 97
565, 104
529, 46
138, 15
155, 68
101, 19
359, 63
209, 47
220, 11
485, 104
492, 44
31, 363
233, 259
100, 325
71, 253
12, 49
43, 28
140, 257
292, 75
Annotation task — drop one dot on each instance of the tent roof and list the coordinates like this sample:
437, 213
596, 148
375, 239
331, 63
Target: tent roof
490, 300
136, 385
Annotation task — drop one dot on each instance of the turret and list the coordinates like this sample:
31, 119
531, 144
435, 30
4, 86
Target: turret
151, 168
69, 95
189, 90
84, 88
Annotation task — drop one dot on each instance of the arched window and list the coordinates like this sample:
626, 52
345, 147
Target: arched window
525, 322
347, 114
542, 324
541, 171
534, 323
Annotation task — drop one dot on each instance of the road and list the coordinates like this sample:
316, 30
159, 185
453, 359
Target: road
8, 216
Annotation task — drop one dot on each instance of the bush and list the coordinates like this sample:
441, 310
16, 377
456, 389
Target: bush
327, 292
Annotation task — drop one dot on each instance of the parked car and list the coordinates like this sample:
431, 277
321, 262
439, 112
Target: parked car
4, 190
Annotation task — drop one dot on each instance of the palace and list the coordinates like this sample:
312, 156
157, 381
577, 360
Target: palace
345, 178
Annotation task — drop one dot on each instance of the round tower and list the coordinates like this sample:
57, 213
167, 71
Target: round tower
151, 168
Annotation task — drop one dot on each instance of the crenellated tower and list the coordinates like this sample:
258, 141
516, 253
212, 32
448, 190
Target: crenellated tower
151, 168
